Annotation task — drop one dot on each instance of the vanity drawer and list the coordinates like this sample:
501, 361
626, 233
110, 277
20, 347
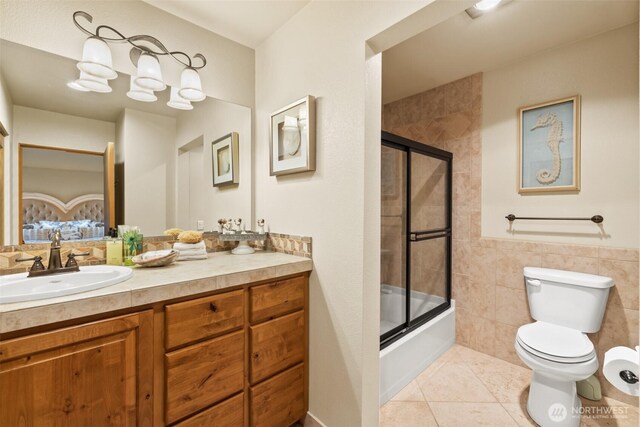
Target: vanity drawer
279, 401
274, 299
202, 374
276, 345
203, 317
229, 413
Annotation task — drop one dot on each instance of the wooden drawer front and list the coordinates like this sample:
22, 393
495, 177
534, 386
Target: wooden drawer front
203, 317
274, 299
276, 345
229, 413
202, 374
279, 401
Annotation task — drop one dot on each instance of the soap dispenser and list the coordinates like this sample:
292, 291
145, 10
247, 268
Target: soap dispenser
114, 247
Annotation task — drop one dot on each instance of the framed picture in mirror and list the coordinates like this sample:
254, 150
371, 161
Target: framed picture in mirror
292, 141
224, 153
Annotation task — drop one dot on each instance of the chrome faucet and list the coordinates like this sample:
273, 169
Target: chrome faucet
55, 261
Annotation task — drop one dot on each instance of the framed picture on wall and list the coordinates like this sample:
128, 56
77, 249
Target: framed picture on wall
549, 146
292, 141
224, 153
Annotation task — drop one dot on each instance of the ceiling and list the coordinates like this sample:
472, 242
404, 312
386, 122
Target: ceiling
248, 22
462, 46
22, 67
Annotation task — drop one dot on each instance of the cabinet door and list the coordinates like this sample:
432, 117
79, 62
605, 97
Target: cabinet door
99, 373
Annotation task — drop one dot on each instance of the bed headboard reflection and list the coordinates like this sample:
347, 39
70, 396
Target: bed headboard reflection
42, 207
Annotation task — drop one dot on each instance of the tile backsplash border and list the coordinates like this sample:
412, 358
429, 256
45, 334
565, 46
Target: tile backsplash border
284, 243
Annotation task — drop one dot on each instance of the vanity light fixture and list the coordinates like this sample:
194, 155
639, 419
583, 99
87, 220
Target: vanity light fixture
96, 66
484, 6
139, 93
178, 102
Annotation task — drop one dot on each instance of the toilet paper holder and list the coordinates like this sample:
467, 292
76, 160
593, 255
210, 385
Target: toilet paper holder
628, 377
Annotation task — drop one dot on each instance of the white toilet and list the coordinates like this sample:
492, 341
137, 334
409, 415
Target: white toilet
566, 305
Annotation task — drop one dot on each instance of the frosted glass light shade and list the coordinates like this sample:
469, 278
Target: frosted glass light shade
140, 94
485, 5
77, 86
178, 102
95, 84
149, 75
190, 85
96, 59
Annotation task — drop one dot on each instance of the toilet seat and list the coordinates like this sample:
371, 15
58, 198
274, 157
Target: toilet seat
555, 343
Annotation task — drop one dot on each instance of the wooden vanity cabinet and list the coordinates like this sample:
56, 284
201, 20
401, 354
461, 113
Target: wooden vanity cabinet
100, 373
231, 358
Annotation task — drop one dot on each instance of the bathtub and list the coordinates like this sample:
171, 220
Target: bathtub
403, 360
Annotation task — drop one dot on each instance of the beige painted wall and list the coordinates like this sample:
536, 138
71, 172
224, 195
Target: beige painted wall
212, 119
604, 71
46, 128
229, 74
64, 185
6, 117
338, 204
147, 143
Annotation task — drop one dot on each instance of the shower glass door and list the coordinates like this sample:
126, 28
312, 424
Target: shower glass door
415, 235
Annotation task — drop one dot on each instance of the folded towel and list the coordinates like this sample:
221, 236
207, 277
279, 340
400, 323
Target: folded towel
191, 257
188, 246
193, 252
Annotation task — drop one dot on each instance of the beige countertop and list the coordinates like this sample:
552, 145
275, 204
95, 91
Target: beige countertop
149, 285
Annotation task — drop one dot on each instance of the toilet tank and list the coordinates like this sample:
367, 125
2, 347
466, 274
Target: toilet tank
566, 298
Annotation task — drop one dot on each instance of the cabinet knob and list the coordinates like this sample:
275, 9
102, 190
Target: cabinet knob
213, 307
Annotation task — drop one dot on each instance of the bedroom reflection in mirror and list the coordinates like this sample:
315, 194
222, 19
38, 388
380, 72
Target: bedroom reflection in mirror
69, 190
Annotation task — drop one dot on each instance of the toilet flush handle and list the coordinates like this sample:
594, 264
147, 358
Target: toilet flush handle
533, 282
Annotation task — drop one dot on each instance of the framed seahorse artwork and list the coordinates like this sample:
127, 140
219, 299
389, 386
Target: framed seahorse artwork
549, 146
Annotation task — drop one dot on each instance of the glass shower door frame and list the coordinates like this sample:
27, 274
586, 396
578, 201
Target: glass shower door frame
410, 147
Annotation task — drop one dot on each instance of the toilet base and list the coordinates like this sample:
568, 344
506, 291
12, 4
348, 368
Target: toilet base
552, 402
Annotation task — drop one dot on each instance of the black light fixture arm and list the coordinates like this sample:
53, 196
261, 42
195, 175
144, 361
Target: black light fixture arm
135, 41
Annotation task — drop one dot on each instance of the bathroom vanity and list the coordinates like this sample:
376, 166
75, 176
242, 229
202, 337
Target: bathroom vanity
221, 342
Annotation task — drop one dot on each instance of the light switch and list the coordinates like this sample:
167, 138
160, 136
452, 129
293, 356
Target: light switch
200, 225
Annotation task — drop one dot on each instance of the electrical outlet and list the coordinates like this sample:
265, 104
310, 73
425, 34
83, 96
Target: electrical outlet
200, 225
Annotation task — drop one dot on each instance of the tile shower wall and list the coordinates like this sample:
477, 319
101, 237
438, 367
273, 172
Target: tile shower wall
491, 302
293, 245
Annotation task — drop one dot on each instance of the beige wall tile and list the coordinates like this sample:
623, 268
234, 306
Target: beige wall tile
461, 291
458, 96
618, 254
461, 183
570, 263
570, 250
482, 299
483, 264
461, 256
517, 245
461, 224
433, 103
625, 276
505, 344
510, 265
511, 306
412, 108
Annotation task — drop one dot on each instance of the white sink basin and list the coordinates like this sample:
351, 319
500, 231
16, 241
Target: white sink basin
19, 287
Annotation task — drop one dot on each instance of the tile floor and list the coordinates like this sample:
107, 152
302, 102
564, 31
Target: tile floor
465, 388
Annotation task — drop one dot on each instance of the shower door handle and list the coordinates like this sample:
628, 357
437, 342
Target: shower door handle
426, 235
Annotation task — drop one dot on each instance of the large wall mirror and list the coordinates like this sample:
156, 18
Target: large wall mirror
86, 161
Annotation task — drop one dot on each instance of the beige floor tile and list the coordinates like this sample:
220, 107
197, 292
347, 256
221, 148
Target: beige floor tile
608, 412
454, 414
411, 393
454, 382
518, 412
506, 381
462, 354
406, 414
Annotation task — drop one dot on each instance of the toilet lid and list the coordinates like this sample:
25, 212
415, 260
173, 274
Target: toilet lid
555, 342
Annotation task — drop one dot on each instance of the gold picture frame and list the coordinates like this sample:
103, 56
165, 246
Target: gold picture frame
292, 138
549, 146
225, 160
